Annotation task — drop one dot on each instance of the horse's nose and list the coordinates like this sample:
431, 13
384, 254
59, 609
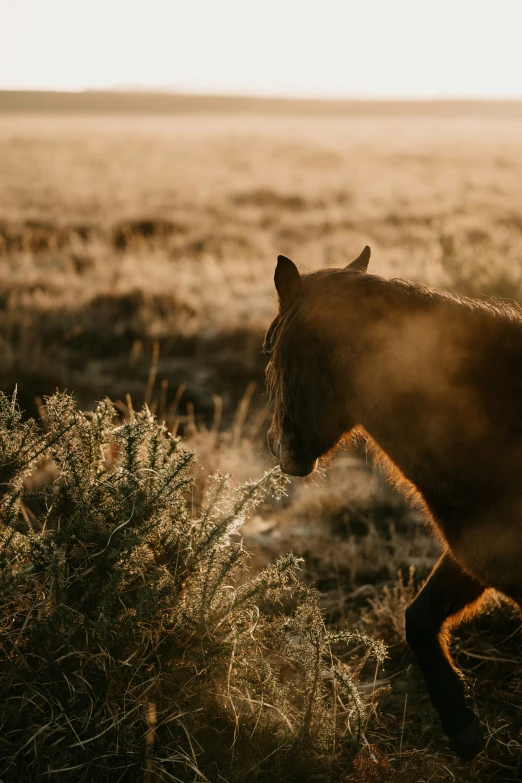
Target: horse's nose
274, 444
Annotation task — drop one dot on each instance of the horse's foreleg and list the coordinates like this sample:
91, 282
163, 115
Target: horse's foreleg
447, 594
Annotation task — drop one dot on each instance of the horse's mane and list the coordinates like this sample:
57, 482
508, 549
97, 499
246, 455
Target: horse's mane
492, 306
340, 283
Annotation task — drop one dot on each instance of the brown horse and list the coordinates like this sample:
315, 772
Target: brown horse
435, 380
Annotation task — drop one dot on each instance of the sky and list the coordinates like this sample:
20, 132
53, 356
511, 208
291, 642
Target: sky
316, 48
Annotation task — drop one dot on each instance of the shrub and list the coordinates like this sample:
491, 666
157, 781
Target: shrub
135, 643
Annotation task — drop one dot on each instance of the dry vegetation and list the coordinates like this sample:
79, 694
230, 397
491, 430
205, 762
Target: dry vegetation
136, 258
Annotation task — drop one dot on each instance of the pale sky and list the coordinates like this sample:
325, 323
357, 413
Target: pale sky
324, 48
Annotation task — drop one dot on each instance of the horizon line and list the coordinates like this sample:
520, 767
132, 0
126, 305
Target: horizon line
262, 96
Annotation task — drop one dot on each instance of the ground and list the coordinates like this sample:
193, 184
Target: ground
137, 252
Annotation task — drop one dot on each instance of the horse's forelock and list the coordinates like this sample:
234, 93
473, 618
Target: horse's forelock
294, 373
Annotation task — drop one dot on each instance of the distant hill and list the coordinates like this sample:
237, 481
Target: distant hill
125, 102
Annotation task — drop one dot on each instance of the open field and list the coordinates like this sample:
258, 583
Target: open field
137, 251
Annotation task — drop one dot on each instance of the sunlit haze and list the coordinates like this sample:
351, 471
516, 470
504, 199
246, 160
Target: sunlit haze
370, 49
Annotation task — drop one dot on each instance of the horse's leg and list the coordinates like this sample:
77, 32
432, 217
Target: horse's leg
447, 593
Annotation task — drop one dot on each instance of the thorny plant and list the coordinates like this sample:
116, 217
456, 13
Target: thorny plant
135, 643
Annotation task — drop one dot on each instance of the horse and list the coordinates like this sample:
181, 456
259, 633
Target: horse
434, 380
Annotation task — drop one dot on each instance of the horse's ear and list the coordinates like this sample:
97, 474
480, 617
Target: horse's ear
287, 281
361, 263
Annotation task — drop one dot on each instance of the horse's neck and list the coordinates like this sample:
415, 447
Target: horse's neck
404, 390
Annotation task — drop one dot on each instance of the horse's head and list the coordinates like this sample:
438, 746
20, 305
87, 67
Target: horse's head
309, 393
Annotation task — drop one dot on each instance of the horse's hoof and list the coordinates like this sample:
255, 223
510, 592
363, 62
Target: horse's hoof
470, 742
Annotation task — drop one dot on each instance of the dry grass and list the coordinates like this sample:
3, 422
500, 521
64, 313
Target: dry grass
136, 256
119, 231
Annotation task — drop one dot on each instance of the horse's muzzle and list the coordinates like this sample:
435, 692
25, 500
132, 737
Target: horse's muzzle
294, 468
290, 463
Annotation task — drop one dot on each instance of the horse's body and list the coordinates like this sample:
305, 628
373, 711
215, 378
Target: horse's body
436, 381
